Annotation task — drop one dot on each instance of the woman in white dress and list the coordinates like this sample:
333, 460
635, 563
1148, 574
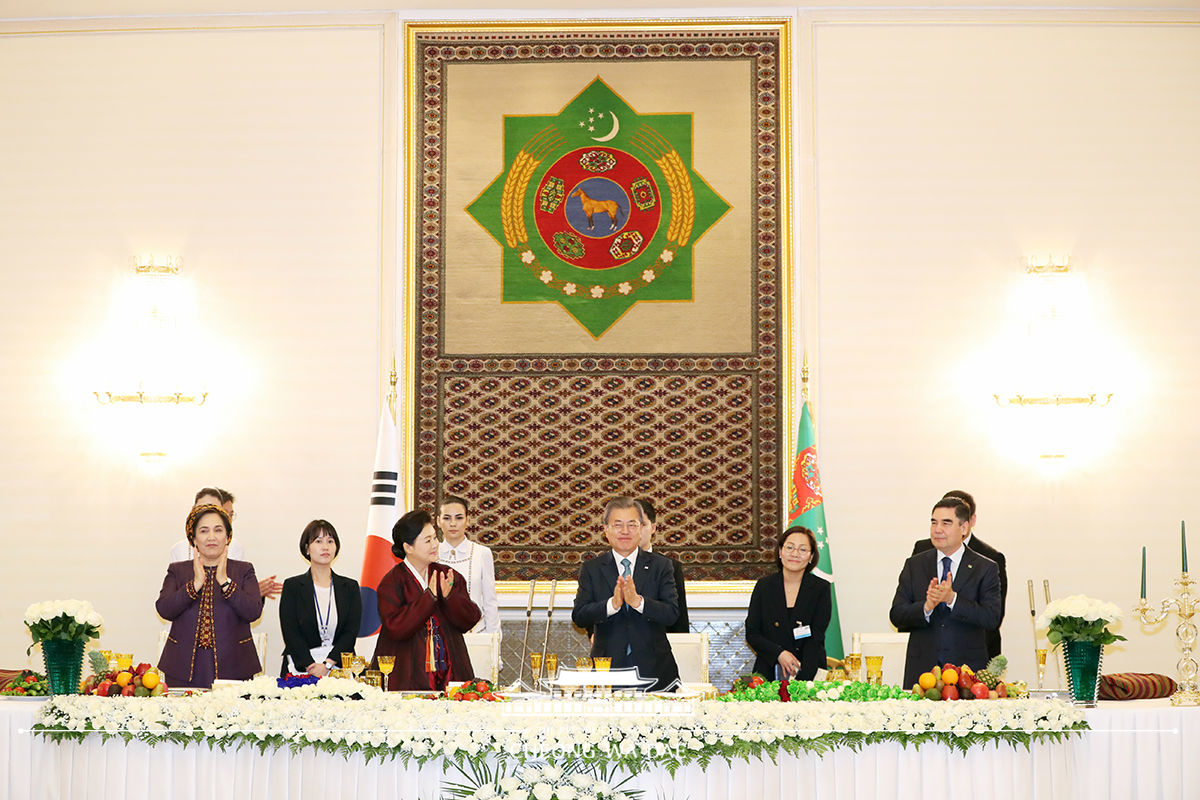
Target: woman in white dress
470, 559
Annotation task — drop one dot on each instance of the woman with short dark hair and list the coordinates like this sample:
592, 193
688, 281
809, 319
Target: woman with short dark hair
424, 609
790, 611
319, 610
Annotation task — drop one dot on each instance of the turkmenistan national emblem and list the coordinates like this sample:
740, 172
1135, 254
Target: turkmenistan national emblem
597, 208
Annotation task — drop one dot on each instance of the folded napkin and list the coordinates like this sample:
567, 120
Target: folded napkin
1135, 686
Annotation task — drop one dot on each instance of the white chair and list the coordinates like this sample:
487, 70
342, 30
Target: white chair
162, 642
691, 654
484, 651
892, 646
260, 644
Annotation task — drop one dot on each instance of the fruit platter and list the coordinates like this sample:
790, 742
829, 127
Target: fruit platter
140, 681
26, 683
951, 682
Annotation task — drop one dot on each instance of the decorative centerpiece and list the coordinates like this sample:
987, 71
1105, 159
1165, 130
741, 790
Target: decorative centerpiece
63, 627
1080, 624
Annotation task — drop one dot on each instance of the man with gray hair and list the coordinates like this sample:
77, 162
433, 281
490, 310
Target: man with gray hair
628, 597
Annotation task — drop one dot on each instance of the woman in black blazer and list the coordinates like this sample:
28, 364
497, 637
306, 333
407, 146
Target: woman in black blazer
790, 610
319, 611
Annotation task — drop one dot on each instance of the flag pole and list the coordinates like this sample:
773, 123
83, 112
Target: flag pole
391, 397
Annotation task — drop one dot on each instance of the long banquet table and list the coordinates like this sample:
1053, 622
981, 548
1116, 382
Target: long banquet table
1140, 749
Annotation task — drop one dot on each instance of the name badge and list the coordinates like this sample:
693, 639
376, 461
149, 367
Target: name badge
801, 631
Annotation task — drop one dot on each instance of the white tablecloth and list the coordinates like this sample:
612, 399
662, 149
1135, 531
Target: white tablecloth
1134, 750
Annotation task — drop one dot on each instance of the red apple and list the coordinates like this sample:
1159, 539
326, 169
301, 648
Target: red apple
128, 690
1002, 689
980, 690
949, 692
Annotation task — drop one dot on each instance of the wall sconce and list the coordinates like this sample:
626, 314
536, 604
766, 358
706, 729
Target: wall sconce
148, 359
1053, 367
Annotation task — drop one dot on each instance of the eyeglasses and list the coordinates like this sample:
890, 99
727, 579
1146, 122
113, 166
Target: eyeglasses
624, 526
791, 548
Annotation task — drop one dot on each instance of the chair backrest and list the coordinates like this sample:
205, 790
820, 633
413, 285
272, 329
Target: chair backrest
260, 644
162, 642
484, 651
892, 646
691, 654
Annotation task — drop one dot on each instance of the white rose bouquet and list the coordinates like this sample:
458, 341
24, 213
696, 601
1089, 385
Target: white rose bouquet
1079, 618
544, 782
68, 620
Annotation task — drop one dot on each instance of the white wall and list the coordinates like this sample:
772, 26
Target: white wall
944, 154
932, 157
256, 154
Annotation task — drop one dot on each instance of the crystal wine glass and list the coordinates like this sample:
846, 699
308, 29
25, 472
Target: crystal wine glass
1041, 667
853, 662
386, 665
357, 665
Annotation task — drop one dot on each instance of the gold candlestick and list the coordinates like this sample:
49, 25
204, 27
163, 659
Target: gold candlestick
1188, 693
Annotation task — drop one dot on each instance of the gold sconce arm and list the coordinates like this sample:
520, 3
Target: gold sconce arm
1053, 400
179, 398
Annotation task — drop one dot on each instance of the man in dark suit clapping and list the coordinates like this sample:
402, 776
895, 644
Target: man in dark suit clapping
947, 598
628, 597
983, 548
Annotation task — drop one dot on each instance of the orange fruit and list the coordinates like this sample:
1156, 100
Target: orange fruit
123, 679
150, 679
927, 681
950, 677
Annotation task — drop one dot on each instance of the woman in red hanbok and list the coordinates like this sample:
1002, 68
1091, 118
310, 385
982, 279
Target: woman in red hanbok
424, 610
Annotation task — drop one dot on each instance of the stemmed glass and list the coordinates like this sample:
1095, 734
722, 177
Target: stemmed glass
1041, 667
386, 665
535, 664
853, 662
357, 665
875, 670
124, 660
347, 660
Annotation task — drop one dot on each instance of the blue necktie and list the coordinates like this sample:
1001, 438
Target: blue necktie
945, 575
625, 565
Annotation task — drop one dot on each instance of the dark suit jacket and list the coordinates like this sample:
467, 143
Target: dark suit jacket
984, 549
681, 624
298, 619
235, 656
769, 624
957, 636
643, 633
404, 609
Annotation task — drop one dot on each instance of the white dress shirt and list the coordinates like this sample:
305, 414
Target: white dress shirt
475, 563
621, 571
955, 559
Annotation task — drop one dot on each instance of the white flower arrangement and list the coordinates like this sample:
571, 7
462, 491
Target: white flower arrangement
385, 725
1079, 618
540, 782
68, 620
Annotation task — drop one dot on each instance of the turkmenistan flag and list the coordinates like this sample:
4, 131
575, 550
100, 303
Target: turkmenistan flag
806, 506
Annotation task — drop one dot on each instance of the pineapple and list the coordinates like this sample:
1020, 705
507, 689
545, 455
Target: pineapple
990, 674
98, 662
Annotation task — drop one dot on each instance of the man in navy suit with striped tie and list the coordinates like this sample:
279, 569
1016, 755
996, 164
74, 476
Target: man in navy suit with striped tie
947, 598
627, 596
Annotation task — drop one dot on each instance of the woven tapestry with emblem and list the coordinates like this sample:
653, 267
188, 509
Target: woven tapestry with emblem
598, 285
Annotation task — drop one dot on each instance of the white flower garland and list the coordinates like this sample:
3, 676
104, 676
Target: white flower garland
387, 725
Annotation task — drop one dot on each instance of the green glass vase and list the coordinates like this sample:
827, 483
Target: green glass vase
1083, 671
64, 662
